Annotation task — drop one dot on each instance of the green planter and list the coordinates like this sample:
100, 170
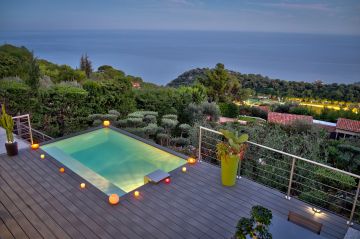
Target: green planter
229, 168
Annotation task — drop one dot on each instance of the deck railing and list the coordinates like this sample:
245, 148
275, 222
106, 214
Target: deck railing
23, 129
322, 186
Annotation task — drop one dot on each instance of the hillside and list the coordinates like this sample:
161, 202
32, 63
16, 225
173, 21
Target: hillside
275, 87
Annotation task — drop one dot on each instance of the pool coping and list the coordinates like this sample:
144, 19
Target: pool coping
146, 141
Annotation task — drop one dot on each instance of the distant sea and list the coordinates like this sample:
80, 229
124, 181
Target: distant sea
160, 56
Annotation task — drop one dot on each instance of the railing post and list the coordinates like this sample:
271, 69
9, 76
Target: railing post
18, 127
354, 205
199, 153
288, 196
239, 168
30, 130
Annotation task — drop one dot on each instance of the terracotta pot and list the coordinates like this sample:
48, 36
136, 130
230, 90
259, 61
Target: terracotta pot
11, 148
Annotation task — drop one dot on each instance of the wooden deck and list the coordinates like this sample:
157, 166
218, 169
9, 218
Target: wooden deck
36, 201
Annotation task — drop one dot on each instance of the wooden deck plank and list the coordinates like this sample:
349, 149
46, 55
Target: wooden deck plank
272, 199
6, 234
193, 205
48, 202
68, 200
10, 222
52, 170
37, 202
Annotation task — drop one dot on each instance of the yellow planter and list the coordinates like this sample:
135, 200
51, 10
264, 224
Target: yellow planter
229, 167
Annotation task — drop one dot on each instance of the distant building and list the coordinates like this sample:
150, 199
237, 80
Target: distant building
288, 119
346, 127
328, 126
136, 85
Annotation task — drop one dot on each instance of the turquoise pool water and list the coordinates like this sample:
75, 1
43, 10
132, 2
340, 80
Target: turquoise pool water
113, 162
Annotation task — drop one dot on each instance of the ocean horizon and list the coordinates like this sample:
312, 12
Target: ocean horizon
160, 56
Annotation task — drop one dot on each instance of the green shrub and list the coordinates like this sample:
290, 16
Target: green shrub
335, 179
180, 142
170, 116
229, 110
315, 197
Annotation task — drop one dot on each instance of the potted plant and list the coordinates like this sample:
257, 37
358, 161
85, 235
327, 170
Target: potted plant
257, 226
7, 122
230, 152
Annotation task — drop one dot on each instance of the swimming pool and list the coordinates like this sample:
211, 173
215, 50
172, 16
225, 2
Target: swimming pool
110, 160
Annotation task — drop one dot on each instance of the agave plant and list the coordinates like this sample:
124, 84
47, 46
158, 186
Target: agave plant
7, 122
234, 145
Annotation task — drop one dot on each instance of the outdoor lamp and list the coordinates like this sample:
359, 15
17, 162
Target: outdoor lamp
316, 210
114, 199
191, 160
106, 123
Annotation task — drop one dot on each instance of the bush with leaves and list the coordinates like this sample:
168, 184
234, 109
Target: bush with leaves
185, 129
150, 129
257, 226
180, 142
315, 197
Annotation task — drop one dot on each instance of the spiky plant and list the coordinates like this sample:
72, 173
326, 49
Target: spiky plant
233, 145
7, 122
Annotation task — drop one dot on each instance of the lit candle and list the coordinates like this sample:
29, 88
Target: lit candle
35, 146
106, 123
136, 193
191, 160
114, 199
184, 169
42, 156
82, 185
61, 170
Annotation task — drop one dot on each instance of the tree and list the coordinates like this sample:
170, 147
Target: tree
34, 74
221, 86
86, 65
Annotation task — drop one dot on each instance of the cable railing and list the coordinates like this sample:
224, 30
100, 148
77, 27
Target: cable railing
23, 129
322, 186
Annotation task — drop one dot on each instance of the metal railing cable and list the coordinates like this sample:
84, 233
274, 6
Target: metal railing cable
23, 129
313, 182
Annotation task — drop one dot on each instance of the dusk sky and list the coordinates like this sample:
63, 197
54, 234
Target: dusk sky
328, 16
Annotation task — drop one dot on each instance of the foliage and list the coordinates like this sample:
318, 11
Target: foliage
220, 85
335, 179
229, 110
170, 116
257, 226
263, 85
86, 65
234, 145
252, 111
7, 122
106, 72
315, 197
150, 129
185, 129
180, 141
34, 74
